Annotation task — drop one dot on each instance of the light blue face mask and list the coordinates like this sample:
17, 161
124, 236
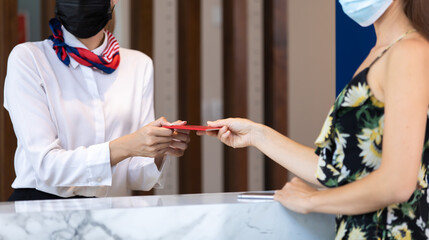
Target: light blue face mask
365, 12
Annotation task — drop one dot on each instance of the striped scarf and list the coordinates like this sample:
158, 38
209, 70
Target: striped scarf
107, 62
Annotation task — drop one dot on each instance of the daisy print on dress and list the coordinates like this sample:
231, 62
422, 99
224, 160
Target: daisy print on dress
375, 102
321, 141
401, 232
341, 230
391, 213
344, 174
356, 95
423, 177
334, 171
319, 173
338, 157
421, 224
360, 175
370, 144
357, 233
340, 143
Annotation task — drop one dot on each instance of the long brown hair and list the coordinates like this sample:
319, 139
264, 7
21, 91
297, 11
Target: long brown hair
418, 13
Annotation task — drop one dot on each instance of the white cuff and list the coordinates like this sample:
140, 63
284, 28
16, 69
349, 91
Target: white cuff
98, 165
143, 174
163, 172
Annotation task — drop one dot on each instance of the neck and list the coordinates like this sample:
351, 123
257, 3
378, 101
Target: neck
391, 25
94, 41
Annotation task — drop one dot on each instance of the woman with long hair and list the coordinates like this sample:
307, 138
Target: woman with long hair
372, 155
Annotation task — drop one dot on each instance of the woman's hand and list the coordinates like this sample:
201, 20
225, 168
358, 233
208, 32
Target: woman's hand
235, 132
152, 140
296, 196
180, 140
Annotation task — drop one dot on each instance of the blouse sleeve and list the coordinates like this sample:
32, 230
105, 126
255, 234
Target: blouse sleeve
27, 104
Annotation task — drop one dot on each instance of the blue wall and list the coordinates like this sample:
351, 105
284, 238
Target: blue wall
353, 45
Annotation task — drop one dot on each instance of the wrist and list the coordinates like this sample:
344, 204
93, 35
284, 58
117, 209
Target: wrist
313, 201
159, 162
258, 134
119, 149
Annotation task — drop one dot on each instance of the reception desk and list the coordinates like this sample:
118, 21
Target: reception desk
199, 216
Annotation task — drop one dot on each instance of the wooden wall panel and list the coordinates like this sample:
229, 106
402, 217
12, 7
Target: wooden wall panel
142, 25
275, 22
235, 87
47, 12
255, 89
189, 89
166, 78
8, 39
142, 39
211, 93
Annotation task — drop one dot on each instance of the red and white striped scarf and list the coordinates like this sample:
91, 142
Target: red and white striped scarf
108, 62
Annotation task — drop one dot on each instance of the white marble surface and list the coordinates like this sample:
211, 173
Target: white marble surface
201, 216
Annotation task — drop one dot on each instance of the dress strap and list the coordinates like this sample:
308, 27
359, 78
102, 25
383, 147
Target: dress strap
390, 46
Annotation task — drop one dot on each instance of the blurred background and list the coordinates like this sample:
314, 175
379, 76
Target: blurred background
272, 61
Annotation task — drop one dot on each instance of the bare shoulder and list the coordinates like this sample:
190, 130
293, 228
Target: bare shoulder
412, 51
407, 68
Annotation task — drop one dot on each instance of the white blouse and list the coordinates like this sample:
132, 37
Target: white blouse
65, 116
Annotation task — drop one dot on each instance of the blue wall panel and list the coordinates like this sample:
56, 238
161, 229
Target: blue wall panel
353, 45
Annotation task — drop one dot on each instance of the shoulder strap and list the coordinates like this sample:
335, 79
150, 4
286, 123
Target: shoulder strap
390, 46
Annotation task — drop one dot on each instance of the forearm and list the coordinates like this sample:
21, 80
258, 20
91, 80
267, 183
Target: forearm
369, 194
297, 158
120, 149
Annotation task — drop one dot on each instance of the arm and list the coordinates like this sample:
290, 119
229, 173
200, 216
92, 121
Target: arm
146, 159
406, 93
297, 158
149, 141
145, 150
37, 133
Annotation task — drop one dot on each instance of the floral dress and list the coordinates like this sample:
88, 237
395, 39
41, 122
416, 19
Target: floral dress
350, 147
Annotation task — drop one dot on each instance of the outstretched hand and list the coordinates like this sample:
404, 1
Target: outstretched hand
234, 132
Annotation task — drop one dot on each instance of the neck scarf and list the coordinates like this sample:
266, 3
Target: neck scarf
107, 62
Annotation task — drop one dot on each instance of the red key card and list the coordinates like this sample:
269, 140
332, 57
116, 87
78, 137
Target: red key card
193, 127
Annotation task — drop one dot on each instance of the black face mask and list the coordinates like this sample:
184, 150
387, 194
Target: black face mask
83, 18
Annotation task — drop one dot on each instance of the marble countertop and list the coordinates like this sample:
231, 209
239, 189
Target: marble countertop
197, 216
119, 202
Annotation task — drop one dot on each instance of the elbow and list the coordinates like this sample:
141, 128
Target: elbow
398, 188
402, 193
49, 179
